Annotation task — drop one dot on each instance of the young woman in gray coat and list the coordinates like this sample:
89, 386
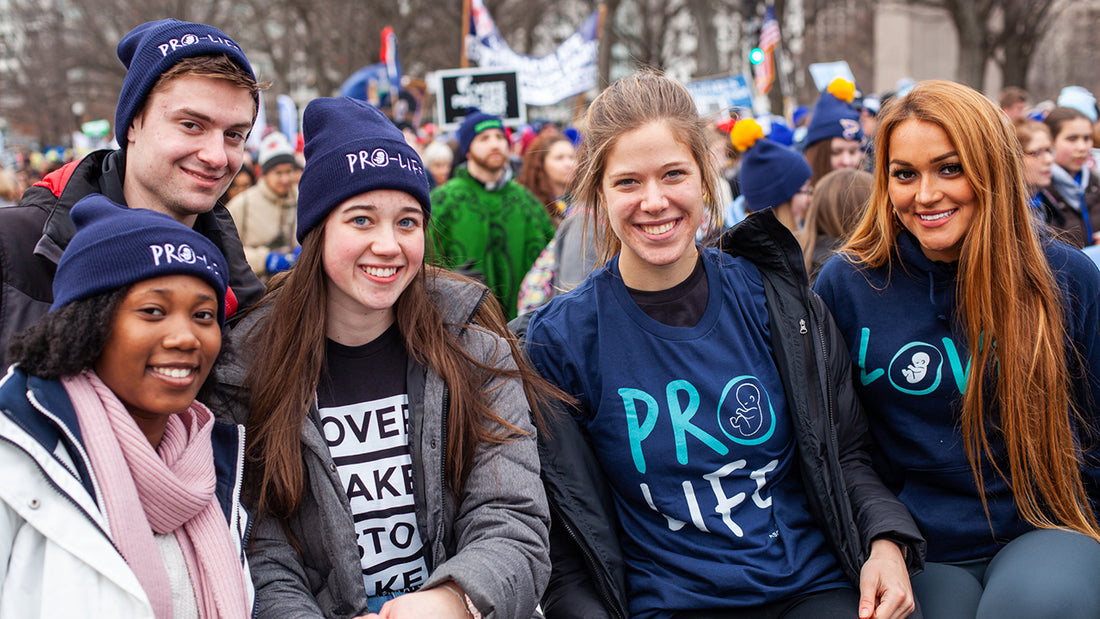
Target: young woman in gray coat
391, 450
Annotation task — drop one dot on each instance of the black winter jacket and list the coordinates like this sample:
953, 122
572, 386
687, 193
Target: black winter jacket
34, 233
847, 499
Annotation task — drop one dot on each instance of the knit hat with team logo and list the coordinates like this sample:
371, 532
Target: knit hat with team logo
154, 47
352, 148
834, 116
115, 246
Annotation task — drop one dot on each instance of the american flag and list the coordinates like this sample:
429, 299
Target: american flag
769, 31
769, 39
389, 57
481, 23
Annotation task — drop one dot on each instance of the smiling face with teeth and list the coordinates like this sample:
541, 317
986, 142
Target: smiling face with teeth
373, 247
653, 192
187, 146
929, 190
162, 343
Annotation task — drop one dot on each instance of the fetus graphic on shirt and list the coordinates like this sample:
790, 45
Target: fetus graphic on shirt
748, 417
918, 367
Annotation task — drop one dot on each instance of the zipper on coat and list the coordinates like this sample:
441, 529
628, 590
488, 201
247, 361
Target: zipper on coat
81, 453
443, 467
65, 495
830, 414
830, 417
237, 487
594, 565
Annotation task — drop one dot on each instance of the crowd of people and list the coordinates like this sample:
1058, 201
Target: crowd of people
654, 366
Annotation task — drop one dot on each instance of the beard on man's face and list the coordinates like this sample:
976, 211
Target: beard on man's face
493, 160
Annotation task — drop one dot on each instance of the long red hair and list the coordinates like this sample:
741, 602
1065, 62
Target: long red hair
1008, 296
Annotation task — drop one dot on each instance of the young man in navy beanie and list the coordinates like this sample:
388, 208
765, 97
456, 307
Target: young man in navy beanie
484, 221
187, 104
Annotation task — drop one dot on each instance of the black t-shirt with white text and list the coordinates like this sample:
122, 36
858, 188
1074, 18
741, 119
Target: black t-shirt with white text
364, 404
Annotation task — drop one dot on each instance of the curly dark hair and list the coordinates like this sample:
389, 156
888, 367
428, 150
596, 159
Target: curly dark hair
68, 340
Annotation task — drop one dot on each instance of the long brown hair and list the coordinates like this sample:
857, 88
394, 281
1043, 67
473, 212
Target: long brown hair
288, 363
1008, 296
626, 105
838, 203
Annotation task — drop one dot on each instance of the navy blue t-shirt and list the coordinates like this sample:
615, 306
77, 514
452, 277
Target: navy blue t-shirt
691, 424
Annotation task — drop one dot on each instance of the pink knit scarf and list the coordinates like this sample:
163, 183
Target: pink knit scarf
167, 490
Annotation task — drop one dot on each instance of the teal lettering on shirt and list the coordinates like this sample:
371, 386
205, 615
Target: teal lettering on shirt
917, 367
748, 418
866, 377
638, 432
681, 420
956, 364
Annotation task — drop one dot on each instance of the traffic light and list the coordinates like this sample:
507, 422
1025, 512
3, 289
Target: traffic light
756, 56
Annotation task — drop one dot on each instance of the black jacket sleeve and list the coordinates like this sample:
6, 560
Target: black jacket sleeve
218, 226
587, 578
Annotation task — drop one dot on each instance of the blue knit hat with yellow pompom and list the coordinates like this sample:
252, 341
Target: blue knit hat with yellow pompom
771, 173
834, 116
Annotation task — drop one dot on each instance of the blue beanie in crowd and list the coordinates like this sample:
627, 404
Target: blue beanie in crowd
154, 47
780, 133
834, 117
115, 246
352, 148
771, 173
475, 122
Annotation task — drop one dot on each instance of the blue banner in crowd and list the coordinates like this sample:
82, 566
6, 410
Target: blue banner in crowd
370, 84
569, 70
721, 93
288, 118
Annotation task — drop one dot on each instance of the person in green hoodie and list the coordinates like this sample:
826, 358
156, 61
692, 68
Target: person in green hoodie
488, 225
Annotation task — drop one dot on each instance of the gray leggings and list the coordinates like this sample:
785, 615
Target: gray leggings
1040, 574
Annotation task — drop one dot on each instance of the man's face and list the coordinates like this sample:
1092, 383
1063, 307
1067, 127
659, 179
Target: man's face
281, 178
489, 150
1016, 110
187, 145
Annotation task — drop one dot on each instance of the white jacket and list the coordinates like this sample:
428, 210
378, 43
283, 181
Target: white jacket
60, 560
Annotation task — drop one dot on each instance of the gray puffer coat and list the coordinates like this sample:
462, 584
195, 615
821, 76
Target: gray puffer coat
493, 542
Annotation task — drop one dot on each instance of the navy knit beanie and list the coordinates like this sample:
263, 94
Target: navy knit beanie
834, 116
475, 122
115, 246
771, 173
154, 47
352, 148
